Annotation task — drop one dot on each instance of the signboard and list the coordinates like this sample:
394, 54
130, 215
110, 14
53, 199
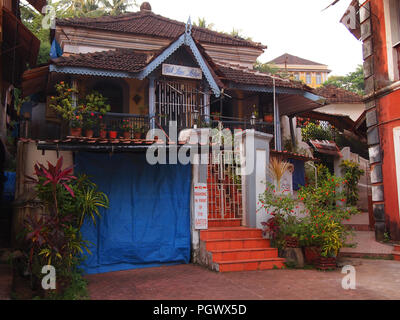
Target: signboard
181, 71
201, 206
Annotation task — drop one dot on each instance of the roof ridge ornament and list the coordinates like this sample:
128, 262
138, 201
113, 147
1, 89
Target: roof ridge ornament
189, 26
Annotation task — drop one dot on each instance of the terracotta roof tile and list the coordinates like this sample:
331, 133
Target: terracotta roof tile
338, 95
126, 60
247, 76
291, 59
147, 23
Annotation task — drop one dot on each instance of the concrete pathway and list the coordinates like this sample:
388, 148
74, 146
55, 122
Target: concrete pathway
376, 279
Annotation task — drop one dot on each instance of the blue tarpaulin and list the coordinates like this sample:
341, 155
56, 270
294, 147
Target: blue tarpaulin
299, 178
148, 223
9, 186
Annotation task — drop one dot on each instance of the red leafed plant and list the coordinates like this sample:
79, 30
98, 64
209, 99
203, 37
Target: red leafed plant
55, 176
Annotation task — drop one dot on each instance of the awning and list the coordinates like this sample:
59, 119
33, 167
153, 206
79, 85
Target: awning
326, 147
38, 4
339, 121
19, 47
293, 104
34, 80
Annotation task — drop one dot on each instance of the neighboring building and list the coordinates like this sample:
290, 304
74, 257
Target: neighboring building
155, 70
19, 49
377, 24
341, 102
312, 73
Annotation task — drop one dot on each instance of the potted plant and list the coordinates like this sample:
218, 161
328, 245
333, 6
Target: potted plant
137, 132
102, 128
113, 133
75, 126
126, 128
90, 122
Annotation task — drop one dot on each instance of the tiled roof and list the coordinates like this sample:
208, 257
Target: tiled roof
242, 75
126, 60
338, 95
291, 59
147, 23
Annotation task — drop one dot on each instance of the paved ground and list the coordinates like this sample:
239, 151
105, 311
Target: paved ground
376, 279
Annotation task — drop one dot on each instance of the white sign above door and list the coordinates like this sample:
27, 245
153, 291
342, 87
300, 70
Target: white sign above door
181, 71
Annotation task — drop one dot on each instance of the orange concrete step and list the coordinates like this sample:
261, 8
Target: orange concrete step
232, 244
251, 265
230, 233
244, 254
397, 248
218, 223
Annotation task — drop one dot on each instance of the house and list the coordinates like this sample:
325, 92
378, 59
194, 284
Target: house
376, 24
171, 77
18, 49
312, 73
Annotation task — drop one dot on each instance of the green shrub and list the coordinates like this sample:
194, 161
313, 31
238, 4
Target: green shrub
352, 174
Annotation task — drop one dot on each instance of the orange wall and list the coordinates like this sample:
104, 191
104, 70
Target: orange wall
389, 111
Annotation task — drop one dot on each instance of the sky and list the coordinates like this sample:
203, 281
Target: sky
298, 27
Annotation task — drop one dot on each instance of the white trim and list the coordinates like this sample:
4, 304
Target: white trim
396, 139
391, 13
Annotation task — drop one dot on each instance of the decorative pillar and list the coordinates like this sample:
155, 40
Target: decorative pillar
152, 102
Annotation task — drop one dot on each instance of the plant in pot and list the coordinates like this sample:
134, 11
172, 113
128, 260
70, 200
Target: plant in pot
216, 116
76, 125
90, 123
113, 133
63, 105
323, 230
282, 221
102, 127
126, 128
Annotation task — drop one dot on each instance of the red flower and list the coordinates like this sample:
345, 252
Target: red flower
92, 114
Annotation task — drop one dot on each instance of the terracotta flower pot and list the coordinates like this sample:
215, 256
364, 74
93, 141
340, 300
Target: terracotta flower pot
103, 134
312, 254
324, 263
89, 133
269, 118
137, 135
127, 135
112, 134
76, 132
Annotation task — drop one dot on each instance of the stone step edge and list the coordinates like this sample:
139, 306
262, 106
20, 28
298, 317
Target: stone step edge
238, 239
242, 250
251, 261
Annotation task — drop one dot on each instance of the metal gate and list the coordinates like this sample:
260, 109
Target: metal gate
175, 101
224, 186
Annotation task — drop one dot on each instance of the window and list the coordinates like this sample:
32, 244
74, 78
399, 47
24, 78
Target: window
319, 79
297, 76
392, 23
308, 78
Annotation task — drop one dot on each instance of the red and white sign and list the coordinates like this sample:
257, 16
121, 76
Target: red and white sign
201, 206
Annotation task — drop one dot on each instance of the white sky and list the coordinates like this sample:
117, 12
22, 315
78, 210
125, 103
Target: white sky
297, 27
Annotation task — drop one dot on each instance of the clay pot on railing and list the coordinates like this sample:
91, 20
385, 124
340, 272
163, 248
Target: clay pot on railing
126, 135
112, 134
89, 133
76, 132
103, 134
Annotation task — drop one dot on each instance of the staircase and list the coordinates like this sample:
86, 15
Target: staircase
228, 247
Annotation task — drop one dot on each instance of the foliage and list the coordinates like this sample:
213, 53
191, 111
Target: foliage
266, 67
325, 212
88, 113
126, 126
277, 169
55, 237
63, 104
353, 81
202, 23
316, 132
283, 222
96, 102
352, 174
